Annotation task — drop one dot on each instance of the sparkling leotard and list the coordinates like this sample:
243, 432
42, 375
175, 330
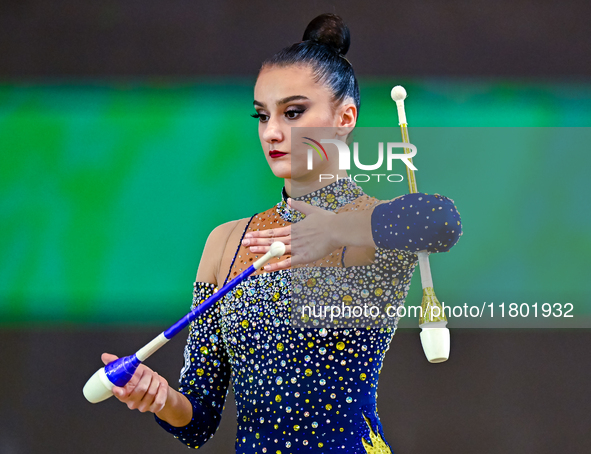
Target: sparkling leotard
303, 388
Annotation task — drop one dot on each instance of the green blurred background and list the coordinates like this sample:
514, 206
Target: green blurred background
125, 138
108, 190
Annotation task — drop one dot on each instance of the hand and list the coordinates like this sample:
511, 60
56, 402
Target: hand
259, 242
311, 237
146, 391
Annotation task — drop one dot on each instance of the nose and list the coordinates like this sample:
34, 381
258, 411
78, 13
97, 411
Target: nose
273, 132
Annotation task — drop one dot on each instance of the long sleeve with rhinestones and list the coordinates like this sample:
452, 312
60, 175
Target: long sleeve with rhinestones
416, 222
205, 376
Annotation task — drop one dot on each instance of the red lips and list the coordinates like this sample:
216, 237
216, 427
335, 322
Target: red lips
276, 154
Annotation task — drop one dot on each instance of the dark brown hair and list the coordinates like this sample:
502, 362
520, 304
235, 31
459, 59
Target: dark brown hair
323, 47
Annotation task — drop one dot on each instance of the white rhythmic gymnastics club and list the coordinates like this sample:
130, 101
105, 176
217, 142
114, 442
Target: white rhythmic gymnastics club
434, 332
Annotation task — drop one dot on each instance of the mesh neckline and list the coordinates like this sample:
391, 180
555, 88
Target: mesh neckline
332, 197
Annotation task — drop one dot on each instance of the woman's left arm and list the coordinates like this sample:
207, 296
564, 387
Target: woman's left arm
412, 222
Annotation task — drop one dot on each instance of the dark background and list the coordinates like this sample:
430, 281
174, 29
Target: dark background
502, 391
63, 38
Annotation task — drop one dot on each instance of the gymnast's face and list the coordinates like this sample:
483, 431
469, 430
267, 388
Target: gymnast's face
288, 97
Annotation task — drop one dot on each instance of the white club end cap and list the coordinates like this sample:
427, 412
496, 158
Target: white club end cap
97, 387
398, 93
277, 249
435, 344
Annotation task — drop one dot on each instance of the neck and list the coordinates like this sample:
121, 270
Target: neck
332, 196
303, 186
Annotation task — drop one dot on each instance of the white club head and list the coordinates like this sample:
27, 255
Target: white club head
98, 387
398, 93
277, 249
435, 344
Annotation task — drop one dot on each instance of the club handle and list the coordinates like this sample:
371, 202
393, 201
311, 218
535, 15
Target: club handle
425, 268
151, 347
277, 249
99, 387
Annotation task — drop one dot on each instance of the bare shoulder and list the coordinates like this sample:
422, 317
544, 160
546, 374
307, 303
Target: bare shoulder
222, 231
214, 250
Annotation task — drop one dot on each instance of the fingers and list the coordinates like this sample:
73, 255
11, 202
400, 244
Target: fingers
119, 393
139, 391
123, 393
260, 241
267, 237
146, 391
282, 265
265, 242
269, 233
107, 358
135, 379
161, 397
265, 249
148, 398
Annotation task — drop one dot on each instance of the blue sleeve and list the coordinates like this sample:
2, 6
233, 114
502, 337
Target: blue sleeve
415, 222
205, 376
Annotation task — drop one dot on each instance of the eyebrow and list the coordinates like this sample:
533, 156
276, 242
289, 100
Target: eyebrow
283, 101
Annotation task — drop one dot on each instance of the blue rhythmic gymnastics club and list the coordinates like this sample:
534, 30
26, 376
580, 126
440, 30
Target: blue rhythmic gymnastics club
118, 373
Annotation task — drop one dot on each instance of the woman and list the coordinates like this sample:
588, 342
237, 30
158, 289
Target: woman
299, 387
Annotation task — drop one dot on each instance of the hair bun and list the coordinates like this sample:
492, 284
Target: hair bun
330, 30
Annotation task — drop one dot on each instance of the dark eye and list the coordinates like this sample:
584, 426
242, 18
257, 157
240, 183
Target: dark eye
261, 117
294, 113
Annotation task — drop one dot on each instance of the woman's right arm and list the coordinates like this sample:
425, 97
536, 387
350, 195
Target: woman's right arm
204, 378
193, 414
206, 374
